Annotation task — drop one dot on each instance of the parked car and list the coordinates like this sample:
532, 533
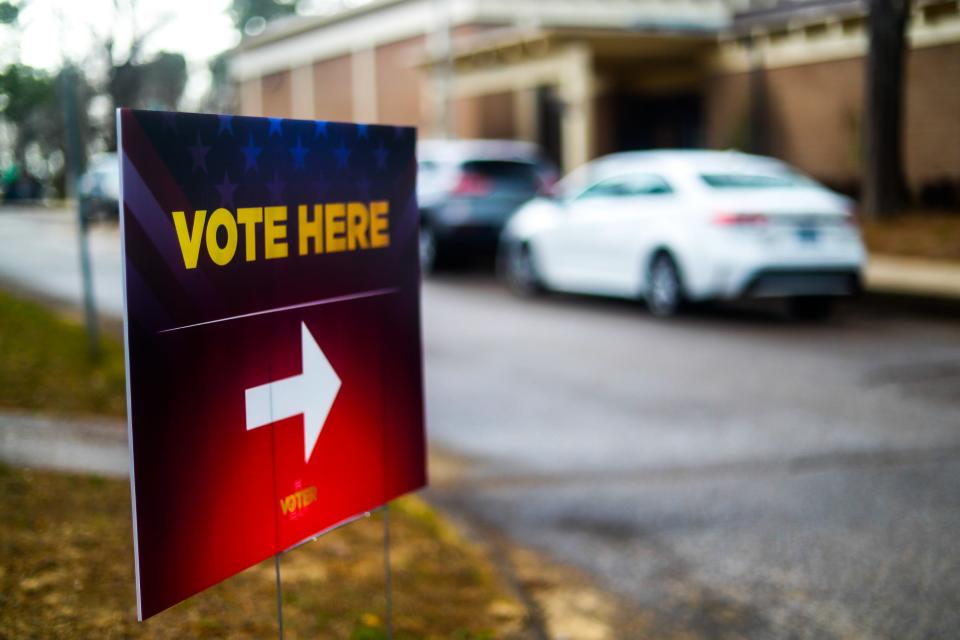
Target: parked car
675, 226
100, 188
467, 190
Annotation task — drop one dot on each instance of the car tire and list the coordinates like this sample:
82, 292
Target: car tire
810, 308
520, 270
664, 288
428, 249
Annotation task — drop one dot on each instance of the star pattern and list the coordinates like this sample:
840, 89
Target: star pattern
199, 153
234, 161
320, 188
275, 187
299, 154
363, 186
380, 154
226, 189
343, 154
250, 153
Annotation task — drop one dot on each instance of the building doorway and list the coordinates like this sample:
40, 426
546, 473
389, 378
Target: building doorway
658, 122
549, 120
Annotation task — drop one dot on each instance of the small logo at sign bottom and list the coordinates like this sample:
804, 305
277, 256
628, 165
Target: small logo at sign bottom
296, 502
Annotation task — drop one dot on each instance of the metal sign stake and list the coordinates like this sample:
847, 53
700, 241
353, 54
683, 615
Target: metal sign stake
387, 574
276, 562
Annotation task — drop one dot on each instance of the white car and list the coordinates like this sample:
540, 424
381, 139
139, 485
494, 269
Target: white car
675, 226
100, 187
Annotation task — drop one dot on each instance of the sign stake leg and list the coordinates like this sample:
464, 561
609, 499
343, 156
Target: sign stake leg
276, 563
387, 573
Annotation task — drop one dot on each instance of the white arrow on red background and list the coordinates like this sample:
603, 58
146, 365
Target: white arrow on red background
311, 393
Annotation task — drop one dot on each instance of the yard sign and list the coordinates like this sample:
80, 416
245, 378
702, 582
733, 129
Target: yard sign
272, 333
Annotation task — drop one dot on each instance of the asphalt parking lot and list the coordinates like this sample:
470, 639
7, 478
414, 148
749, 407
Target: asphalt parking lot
730, 474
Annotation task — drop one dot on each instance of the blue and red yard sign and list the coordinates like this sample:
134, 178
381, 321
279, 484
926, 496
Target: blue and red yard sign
273, 336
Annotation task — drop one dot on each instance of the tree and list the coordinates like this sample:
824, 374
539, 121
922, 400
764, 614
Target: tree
9, 11
162, 80
221, 97
246, 13
131, 79
32, 110
884, 186
29, 106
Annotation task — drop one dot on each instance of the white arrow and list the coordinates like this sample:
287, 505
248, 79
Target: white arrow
311, 393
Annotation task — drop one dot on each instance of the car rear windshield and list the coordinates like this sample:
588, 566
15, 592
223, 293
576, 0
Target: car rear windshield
753, 180
506, 174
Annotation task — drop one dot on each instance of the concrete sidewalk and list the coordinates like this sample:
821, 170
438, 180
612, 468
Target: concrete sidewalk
93, 445
913, 276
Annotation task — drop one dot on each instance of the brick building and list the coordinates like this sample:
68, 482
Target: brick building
588, 78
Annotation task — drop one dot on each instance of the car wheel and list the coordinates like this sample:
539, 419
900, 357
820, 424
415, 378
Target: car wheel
810, 308
428, 249
520, 271
664, 289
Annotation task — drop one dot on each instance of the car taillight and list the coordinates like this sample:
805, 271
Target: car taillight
852, 219
472, 184
739, 219
548, 186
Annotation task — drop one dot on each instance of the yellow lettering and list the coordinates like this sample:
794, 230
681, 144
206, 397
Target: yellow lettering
298, 500
189, 240
250, 217
327, 228
275, 233
379, 224
221, 255
357, 222
310, 228
335, 227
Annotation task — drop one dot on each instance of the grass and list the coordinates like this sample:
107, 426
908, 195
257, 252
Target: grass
66, 571
921, 234
66, 557
45, 364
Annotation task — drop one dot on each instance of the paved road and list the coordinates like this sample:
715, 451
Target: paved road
41, 252
731, 474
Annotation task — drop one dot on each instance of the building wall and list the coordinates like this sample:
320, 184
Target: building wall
276, 95
251, 97
932, 143
486, 116
333, 89
814, 113
398, 81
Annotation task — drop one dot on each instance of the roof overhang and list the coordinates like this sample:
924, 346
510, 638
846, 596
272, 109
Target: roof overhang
510, 45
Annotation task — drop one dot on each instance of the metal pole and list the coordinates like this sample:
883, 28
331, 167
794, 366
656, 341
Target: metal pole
276, 562
441, 42
75, 167
89, 306
387, 573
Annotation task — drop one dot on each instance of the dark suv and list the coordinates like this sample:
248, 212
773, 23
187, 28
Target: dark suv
469, 188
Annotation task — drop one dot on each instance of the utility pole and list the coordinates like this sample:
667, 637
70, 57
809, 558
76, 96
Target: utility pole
442, 54
75, 162
884, 187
